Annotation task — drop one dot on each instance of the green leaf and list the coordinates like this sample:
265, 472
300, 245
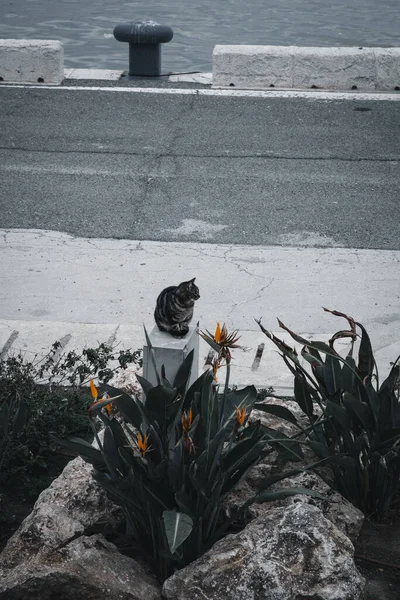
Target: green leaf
278, 411
349, 380
183, 374
332, 374
146, 385
110, 449
241, 455
388, 416
164, 380
288, 448
269, 496
195, 388
178, 527
302, 395
209, 460
340, 416
131, 409
82, 448
360, 411
320, 449
366, 359
158, 401
388, 439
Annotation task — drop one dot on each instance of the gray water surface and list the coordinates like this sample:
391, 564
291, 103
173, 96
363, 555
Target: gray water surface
85, 26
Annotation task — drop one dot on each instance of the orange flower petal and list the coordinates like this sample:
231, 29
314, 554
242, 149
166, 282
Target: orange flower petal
93, 389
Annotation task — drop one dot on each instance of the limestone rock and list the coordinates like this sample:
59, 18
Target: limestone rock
73, 503
336, 508
290, 553
51, 555
88, 567
126, 381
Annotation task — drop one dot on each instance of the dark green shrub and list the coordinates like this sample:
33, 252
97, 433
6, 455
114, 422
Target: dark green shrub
357, 432
44, 398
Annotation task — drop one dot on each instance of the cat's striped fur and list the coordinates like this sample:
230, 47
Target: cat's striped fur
174, 308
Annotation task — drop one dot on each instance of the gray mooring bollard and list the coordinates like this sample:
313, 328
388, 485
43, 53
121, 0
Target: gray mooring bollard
144, 39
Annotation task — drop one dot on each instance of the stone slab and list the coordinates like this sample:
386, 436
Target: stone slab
31, 61
262, 67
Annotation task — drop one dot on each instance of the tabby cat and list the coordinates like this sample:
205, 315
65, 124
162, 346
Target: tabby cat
174, 308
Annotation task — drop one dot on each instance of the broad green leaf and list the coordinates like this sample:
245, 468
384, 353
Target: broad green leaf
387, 439
146, 385
366, 359
319, 448
372, 398
130, 408
195, 388
175, 464
118, 432
389, 413
178, 527
349, 374
210, 459
164, 380
281, 494
239, 460
157, 403
332, 373
313, 357
360, 411
110, 449
183, 374
302, 395
393, 377
288, 448
233, 459
340, 416
77, 446
278, 411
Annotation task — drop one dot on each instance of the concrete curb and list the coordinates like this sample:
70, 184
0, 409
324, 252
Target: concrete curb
31, 61
295, 67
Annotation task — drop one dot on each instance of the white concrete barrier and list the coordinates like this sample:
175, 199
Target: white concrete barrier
295, 67
31, 61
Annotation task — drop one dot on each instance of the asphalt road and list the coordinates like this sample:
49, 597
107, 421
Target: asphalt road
188, 167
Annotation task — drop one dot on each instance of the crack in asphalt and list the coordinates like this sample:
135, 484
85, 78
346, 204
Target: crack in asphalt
205, 155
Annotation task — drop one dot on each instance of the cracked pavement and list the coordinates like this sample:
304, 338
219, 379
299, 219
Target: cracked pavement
257, 171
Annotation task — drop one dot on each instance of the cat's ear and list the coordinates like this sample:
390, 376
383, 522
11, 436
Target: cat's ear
192, 280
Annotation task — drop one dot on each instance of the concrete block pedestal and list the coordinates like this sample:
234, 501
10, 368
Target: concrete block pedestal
170, 352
